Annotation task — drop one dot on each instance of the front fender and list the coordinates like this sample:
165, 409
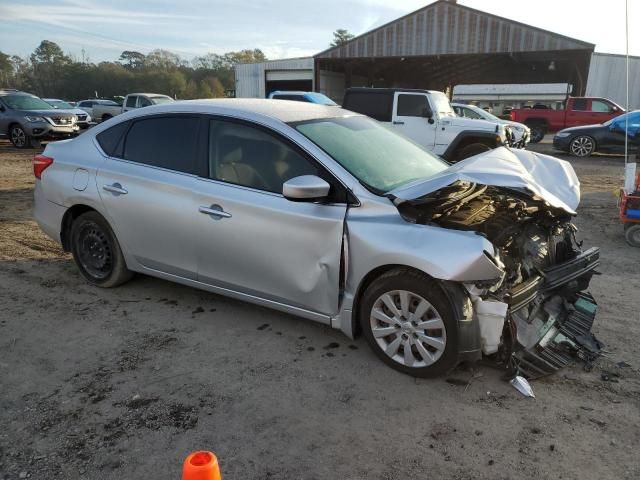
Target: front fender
478, 136
441, 253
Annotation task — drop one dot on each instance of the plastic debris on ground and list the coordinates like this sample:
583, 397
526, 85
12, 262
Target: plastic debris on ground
522, 385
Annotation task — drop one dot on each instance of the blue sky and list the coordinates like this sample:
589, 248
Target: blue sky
281, 28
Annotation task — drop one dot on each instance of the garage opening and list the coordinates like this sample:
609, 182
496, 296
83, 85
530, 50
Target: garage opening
301, 85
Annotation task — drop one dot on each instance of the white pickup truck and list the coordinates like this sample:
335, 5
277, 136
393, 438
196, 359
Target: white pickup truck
139, 100
427, 118
100, 109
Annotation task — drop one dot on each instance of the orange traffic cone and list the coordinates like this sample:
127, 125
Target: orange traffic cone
201, 466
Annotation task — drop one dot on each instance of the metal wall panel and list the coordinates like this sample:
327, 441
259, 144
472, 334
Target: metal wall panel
250, 77
607, 74
448, 28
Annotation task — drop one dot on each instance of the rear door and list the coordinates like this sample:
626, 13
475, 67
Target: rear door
262, 244
578, 114
409, 119
146, 186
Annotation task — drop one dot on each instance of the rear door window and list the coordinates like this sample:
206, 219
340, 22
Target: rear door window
169, 142
580, 104
377, 105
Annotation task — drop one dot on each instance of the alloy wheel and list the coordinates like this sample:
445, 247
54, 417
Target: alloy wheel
18, 137
582, 146
408, 328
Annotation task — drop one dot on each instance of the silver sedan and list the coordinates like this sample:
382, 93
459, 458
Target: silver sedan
328, 215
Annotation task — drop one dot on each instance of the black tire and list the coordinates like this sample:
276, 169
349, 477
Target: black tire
582, 146
19, 137
428, 289
538, 131
632, 234
96, 251
471, 150
106, 117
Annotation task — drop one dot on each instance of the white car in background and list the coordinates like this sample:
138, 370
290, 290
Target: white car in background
522, 132
100, 109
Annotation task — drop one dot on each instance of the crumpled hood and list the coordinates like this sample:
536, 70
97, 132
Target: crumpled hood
547, 177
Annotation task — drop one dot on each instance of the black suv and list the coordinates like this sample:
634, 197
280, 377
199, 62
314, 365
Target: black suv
25, 119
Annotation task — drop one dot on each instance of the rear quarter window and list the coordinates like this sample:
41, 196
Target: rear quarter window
377, 105
111, 139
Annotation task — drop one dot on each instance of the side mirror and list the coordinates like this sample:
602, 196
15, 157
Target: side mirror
613, 109
305, 187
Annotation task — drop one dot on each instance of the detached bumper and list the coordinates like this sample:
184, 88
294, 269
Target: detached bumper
552, 316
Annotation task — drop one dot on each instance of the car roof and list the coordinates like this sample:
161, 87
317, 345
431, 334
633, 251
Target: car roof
289, 92
149, 94
283, 110
389, 90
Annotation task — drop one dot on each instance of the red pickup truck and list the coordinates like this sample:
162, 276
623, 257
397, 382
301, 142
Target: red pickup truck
578, 111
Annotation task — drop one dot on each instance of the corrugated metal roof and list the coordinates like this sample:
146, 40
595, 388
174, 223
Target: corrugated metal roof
448, 28
607, 73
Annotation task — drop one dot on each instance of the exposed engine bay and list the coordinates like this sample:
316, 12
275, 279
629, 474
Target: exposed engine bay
546, 273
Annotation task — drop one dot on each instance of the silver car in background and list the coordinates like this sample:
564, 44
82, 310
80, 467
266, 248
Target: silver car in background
521, 133
328, 215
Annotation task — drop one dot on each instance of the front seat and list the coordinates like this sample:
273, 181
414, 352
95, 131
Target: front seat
233, 169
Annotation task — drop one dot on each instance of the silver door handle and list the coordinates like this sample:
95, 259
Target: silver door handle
398, 123
115, 188
214, 212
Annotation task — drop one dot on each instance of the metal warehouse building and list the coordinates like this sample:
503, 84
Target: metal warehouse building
439, 46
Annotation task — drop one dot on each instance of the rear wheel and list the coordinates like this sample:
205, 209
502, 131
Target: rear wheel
407, 320
19, 137
632, 234
97, 252
582, 146
471, 150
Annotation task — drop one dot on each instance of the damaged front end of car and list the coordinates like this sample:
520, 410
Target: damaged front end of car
537, 317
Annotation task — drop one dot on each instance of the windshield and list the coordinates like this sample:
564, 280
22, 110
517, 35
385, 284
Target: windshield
59, 104
160, 100
26, 102
320, 99
441, 105
378, 157
483, 113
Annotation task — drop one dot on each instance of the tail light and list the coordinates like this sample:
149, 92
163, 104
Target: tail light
40, 164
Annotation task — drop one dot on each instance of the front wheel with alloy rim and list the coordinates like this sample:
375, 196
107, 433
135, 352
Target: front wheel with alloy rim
19, 137
97, 252
409, 323
582, 146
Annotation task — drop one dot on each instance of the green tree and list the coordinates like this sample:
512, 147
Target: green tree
132, 59
48, 63
6, 70
245, 56
163, 59
340, 37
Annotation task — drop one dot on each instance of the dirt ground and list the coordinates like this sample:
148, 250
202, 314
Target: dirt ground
124, 383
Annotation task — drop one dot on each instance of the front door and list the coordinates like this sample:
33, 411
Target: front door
148, 192
253, 240
409, 118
